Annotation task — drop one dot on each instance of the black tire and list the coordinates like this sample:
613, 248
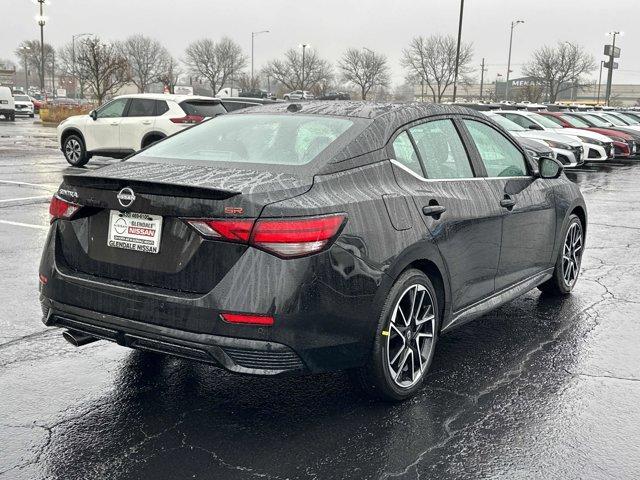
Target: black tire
12, 118
150, 141
74, 151
557, 285
32, 115
375, 378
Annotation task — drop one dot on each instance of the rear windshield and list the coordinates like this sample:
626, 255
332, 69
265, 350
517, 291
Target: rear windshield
203, 108
252, 138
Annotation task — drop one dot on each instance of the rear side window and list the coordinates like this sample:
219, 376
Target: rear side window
161, 107
441, 150
202, 108
141, 107
500, 157
406, 154
252, 138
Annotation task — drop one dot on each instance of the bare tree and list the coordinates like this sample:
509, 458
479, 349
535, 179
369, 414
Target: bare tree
365, 69
147, 59
560, 68
66, 65
31, 49
433, 59
169, 77
215, 62
318, 72
101, 66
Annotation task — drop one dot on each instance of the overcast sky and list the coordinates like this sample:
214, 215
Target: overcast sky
331, 26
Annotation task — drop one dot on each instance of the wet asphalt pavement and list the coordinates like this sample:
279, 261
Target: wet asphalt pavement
540, 388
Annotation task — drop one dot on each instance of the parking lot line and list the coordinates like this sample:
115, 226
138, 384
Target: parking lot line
28, 225
10, 202
26, 184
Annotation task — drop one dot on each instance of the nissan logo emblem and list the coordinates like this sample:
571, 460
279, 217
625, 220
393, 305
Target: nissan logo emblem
126, 197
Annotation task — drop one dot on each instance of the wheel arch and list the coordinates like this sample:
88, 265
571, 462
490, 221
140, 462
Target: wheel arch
67, 132
149, 135
582, 215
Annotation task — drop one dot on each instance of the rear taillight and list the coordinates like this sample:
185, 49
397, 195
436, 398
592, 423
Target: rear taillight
187, 119
287, 238
59, 208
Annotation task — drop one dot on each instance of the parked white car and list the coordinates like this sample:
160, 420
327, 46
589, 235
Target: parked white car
24, 105
299, 95
568, 150
597, 147
7, 104
131, 122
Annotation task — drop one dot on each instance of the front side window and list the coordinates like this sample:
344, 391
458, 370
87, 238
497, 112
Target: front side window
500, 157
441, 150
113, 109
141, 107
251, 138
406, 154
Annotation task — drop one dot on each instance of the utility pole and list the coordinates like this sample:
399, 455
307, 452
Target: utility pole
41, 21
506, 87
53, 73
599, 81
482, 70
610, 69
455, 75
254, 35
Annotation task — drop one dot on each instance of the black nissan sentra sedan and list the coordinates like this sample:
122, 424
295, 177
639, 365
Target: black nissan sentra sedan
310, 237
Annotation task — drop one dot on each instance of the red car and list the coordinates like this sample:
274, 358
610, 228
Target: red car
37, 104
623, 143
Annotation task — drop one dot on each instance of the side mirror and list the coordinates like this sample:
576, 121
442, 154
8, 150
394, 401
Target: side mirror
535, 127
549, 168
93, 114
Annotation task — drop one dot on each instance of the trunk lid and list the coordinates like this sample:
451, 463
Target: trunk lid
172, 192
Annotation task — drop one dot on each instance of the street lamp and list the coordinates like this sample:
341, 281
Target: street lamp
455, 74
304, 46
42, 20
73, 60
254, 35
610, 70
513, 25
24, 49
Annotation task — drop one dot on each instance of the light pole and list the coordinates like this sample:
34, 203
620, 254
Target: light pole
73, 61
24, 49
304, 47
42, 20
610, 71
599, 82
455, 74
513, 25
254, 35
482, 70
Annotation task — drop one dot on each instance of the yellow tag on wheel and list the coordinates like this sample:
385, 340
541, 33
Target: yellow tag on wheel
385, 333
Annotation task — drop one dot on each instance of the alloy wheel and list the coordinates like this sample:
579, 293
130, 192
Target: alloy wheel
572, 255
410, 336
73, 150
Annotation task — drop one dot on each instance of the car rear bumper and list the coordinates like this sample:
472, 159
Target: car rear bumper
234, 354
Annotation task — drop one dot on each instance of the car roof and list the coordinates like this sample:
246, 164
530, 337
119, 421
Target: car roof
167, 96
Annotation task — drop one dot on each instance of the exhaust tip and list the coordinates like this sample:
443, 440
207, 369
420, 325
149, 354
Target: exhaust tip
77, 339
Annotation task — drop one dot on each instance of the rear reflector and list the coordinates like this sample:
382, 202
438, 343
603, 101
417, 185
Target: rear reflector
187, 119
247, 319
59, 208
284, 237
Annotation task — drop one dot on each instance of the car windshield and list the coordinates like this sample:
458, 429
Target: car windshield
506, 123
598, 121
555, 120
542, 120
252, 138
22, 98
574, 121
628, 118
615, 120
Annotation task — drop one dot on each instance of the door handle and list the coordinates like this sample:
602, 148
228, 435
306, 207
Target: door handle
507, 202
147, 122
115, 124
434, 210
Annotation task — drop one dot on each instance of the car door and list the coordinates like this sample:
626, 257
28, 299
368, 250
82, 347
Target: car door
527, 203
458, 207
137, 122
103, 133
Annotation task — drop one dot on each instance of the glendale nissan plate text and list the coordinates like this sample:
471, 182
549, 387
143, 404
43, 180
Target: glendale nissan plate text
310, 236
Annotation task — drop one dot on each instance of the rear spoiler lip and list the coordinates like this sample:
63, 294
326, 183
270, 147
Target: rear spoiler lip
149, 187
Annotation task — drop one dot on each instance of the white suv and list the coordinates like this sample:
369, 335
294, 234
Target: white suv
24, 105
131, 122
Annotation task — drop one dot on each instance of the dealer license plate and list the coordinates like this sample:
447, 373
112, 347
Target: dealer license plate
134, 231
